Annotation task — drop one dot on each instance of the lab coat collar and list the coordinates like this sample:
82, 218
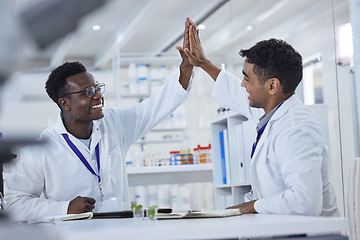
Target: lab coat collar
288, 103
95, 135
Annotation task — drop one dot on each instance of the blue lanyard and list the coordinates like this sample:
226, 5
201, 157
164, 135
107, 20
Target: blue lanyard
260, 132
82, 158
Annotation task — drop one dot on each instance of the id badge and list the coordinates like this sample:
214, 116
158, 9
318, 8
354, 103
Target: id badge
107, 205
248, 196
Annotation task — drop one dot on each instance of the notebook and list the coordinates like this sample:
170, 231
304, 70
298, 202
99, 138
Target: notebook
200, 214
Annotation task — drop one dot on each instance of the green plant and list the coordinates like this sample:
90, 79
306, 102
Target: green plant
136, 207
152, 212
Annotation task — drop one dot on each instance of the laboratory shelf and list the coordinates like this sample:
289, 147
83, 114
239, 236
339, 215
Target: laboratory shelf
173, 174
241, 184
223, 186
168, 129
159, 141
171, 168
136, 96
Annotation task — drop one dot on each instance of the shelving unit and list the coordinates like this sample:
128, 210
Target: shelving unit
241, 134
175, 186
164, 141
170, 174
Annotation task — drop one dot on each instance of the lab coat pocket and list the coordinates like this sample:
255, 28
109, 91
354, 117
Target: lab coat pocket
272, 167
270, 175
115, 165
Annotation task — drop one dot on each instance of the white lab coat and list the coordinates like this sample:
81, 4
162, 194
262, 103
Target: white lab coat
48, 177
289, 168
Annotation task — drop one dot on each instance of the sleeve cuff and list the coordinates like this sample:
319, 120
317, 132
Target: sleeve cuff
257, 206
64, 207
190, 81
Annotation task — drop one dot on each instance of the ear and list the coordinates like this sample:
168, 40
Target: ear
274, 85
64, 104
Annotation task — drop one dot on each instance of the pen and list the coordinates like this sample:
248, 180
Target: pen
192, 211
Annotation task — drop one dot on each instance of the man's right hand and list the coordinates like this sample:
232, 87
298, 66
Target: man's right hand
196, 54
81, 205
194, 50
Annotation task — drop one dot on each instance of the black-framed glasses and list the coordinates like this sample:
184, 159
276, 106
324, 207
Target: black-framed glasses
90, 91
2, 202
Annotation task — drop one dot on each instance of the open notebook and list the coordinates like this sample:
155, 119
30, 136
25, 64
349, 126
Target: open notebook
164, 213
69, 217
200, 214
100, 215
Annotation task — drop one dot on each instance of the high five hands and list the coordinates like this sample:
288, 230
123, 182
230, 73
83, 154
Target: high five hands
193, 50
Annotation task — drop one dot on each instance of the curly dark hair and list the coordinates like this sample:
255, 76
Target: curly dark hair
56, 84
275, 58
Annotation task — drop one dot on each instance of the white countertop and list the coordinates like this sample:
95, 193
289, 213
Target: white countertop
249, 225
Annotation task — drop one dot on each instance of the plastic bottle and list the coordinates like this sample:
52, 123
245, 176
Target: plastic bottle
164, 72
169, 121
152, 195
175, 197
185, 196
179, 117
132, 78
143, 79
155, 79
164, 196
141, 195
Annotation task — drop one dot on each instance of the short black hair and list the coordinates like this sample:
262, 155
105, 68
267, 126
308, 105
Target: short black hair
274, 58
56, 84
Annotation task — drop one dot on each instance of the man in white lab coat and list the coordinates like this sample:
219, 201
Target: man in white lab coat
82, 164
289, 159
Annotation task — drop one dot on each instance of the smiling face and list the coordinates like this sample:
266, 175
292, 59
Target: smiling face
258, 94
79, 107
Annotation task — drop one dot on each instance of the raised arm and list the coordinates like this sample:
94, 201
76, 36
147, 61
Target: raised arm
195, 52
185, 67
146, 115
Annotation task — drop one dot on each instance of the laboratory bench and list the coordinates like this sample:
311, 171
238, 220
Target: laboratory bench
247, 226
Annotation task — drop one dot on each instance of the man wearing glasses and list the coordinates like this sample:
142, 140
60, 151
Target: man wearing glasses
82, 164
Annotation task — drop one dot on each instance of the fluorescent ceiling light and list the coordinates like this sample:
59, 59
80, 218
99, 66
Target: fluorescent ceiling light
96, 27
202, 26
249, 27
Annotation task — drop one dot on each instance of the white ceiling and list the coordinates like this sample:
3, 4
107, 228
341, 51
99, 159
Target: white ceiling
148, 30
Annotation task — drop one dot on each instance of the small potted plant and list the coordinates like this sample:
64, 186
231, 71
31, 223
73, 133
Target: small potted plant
152, 212
138, 212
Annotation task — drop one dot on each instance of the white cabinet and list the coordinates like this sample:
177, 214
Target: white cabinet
239, 136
